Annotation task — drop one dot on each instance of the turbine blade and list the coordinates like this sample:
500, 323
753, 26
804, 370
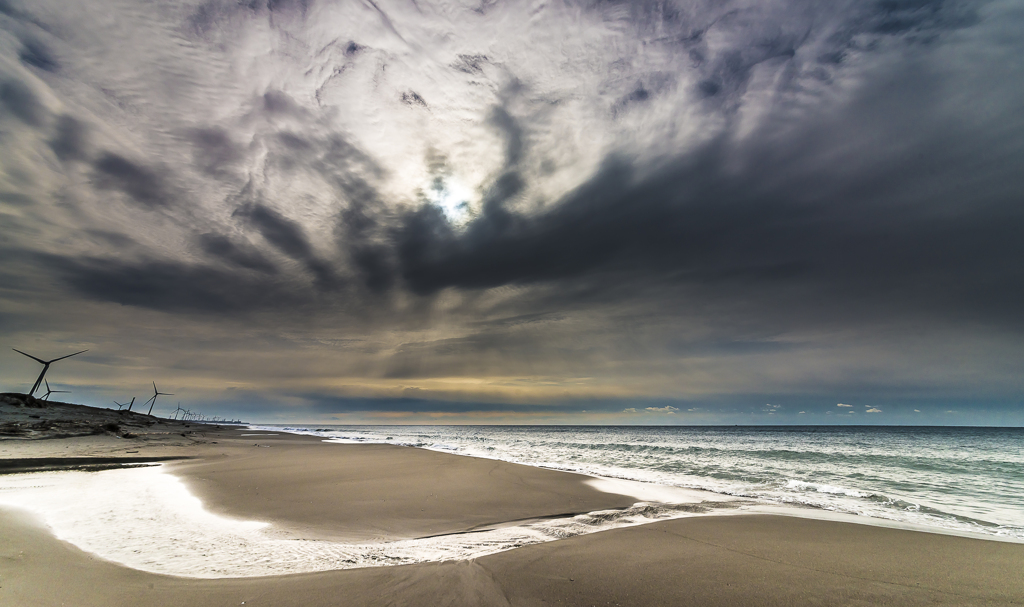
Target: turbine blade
68, 356
30, 356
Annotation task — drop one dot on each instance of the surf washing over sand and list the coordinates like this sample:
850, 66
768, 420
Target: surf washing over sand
147, 519
961, 480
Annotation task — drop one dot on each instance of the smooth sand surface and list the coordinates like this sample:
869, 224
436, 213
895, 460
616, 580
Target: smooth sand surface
312, 489
319, 490
710, 561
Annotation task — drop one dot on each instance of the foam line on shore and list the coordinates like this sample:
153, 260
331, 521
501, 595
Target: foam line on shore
146, 519
651, 492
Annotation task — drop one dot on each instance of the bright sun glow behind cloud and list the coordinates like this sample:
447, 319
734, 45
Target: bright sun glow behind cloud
454, 199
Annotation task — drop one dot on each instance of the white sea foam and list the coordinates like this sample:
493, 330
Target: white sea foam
650, 492
824, 488
145, 518
964, 480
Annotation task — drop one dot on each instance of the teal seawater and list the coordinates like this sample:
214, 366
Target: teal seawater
963, 479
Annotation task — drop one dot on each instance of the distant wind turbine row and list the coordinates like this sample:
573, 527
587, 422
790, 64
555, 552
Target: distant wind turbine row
151, 401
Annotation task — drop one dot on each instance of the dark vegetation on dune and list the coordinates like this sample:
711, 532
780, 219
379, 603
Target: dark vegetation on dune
27, 417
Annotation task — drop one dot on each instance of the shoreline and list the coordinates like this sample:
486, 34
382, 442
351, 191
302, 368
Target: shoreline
645, 490
190, 469
639, 490
736, 556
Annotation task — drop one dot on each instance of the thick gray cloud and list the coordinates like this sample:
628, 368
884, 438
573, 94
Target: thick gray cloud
464, 209
288, 236
70, 140
142, 184
215, 152
167, 285
35, 54
20, 101
218, 245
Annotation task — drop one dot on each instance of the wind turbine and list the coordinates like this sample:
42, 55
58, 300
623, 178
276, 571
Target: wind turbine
49, 391
46, 366
179, 409
120, 405
152, 399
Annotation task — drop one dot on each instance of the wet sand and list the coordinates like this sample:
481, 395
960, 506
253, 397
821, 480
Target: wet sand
728, 561
313, 489
318, 490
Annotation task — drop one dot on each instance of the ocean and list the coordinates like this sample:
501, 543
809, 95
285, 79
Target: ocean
959, 480
962, 479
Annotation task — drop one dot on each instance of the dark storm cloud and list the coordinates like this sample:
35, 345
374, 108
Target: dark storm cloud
359, 231
36, 54
512, 132
289, 237
727, 76
69, 141
326, 404
143, 184
278, 102
115, 239
281, 232
22, 102
919, 21
913, 20
756, 215
222, 247
172, 286
16, 199
350, 173
214, 152
374, 263
916, 16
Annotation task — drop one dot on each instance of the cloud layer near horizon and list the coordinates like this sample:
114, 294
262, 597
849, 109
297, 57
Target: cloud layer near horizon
519, 205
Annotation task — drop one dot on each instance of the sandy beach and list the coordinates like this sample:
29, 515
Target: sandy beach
314, 490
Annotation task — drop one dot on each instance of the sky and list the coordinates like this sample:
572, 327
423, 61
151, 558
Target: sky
420, 211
